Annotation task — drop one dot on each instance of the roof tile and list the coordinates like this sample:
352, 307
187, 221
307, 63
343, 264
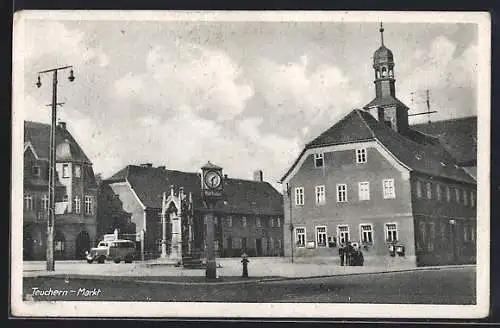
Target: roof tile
240, 196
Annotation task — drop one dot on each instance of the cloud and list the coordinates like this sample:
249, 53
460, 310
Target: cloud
129, 85
449, 75
304, 96
208, 81
61, 46
440, 68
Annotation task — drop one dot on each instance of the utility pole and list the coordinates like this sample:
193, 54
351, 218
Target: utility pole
52, 162
289, 194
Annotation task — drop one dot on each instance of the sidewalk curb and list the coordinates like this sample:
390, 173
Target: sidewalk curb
257, 280
372, 272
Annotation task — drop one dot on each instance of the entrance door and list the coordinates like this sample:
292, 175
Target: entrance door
82, 244
258, 246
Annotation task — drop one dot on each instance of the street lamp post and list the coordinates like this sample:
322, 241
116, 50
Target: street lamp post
52, 162
289, 194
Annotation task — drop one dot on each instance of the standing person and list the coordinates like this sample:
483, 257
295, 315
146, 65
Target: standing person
341, 254
349, 253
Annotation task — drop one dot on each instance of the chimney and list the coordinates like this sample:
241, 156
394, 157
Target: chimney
258, 176
225, 176
163, 167
147, 164
62, 125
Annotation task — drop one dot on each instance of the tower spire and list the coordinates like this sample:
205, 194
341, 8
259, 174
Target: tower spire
381, 33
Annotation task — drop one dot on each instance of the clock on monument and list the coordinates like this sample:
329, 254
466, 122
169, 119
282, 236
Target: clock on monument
211, 180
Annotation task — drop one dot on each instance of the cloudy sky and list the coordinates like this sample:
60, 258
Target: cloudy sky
244, 95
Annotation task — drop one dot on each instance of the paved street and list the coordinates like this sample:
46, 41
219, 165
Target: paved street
435, 286
228, 267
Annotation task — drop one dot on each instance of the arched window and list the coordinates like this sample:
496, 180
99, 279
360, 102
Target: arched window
377, 74
391, 73
384, 72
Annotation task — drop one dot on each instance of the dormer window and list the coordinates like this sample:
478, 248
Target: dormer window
388, 123
318, 160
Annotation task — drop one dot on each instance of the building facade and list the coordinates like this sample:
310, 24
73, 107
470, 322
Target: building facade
373, 179
248, 219
76, 193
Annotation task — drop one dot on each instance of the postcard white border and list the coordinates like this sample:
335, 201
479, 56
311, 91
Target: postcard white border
260, 310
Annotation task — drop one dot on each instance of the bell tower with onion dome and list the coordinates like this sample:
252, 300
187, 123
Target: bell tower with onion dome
386, 107
383, 64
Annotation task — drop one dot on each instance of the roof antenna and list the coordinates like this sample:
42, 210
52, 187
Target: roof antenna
381, 33
428, 106
428, 103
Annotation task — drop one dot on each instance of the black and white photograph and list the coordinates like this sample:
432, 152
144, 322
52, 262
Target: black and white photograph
250, 164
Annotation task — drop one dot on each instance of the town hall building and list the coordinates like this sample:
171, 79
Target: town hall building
372, 178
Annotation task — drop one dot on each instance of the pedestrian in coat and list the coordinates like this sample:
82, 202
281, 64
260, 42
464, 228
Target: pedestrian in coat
342, 254
349, 253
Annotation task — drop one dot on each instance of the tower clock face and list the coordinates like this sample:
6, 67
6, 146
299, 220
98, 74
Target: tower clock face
212, 179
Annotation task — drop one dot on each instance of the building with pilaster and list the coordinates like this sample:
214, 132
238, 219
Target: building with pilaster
76, 194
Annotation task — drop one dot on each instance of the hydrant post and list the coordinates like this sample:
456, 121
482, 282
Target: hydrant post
244, 262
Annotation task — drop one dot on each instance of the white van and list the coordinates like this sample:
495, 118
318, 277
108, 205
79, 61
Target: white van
115, 250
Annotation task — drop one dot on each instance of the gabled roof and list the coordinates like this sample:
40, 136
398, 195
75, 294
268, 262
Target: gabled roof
351, 128
38, 134
419, 152
459, 136
240, 196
